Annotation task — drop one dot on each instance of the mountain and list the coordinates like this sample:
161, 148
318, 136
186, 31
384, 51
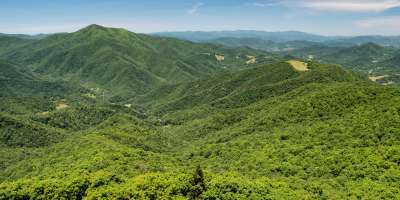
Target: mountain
393, 41
370, 58
105, 113
24, 36
279, 41
23, 94
393, 62
316, 133
124, 62
233, 90
261, 44
13, 71
200, 36
10, 42
17, 80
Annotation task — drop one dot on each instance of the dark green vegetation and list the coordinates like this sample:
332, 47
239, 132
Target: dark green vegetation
266, 45
251, 131
7, 42
125, 62
376, 56
369, 58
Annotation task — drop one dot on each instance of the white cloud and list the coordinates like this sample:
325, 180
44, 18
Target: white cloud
195, 8
262, 4
258, 4
345, 5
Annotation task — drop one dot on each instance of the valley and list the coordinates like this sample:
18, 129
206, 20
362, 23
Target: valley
106, 113
372, 55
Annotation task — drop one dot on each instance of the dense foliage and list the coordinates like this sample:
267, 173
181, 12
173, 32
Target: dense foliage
267, 132
125, 62
369, 58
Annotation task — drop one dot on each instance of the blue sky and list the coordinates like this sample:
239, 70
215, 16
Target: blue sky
327, 17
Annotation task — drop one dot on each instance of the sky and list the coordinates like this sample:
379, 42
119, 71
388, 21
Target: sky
325, 17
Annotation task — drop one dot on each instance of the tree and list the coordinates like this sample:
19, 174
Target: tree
198, 186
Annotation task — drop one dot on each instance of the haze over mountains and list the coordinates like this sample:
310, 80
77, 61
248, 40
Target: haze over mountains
105, 113
283, 37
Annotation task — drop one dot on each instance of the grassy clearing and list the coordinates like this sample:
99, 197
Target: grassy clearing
298, 65
220, 57
61, 106
252, 60
376, 78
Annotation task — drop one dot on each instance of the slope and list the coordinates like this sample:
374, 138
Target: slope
261, 44
126, 63
332, 136
369, 58
238, 89
17, 80
8, 42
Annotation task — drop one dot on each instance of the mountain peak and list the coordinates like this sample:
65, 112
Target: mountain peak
94, 27
94, 30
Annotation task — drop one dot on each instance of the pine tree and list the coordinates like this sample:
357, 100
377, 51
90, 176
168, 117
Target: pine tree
198, 185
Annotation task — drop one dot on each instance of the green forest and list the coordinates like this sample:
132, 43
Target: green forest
104, 113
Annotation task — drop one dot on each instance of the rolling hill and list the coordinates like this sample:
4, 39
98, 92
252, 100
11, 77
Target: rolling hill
124, 62
320, 133
9, 42
17, 80
266, 45
105, 113
368, 58
238, 89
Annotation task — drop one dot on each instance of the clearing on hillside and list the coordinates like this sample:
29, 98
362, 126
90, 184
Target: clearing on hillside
252, 60
376, 78
298, 65
220, 57
61, 105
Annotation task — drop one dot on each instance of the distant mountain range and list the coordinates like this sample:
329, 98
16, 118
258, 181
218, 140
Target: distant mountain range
278, 37
374, 55
368, 57
200, 36
25, 36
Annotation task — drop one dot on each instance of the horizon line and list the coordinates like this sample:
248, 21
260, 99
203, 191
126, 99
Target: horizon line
202, 31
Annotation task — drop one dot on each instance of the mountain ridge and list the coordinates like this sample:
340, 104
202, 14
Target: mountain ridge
105, 113
117, 58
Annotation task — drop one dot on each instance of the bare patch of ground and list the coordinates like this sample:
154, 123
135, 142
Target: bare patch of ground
252, 60
376, 78
61, 105
388, 83
220, 57
298, 65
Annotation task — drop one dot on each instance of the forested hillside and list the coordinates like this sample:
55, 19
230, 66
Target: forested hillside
206, 122
126, 62
379, 62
